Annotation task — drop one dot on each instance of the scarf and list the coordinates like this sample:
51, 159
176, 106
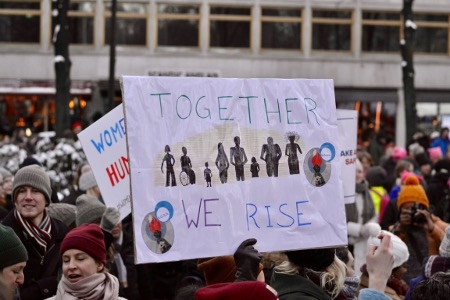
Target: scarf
368, 210
350, 289
41, 234
95, 287
434, 264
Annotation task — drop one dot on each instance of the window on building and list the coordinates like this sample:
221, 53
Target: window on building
281, 28
432, 33
381, 31
81, 22
230, 27
20, 22
131, 23
178, 25
331, 30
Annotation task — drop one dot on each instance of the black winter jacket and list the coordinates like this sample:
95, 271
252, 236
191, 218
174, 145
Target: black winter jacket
40, 272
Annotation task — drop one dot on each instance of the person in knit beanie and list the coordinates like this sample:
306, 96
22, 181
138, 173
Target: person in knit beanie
13, 258
88, 184
6, 188
33, 176
64, 212
40, 233
416, 226
396, 287
89, 210
83, 255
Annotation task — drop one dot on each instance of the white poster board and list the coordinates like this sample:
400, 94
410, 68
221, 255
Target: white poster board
348, 138
290, 123
104, 143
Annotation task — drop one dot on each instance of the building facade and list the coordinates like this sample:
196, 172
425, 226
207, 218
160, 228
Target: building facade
354, 42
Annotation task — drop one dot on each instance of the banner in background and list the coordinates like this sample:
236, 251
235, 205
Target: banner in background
348, 134
214, 161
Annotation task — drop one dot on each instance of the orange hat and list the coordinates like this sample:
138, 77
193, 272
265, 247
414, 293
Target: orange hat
412, 191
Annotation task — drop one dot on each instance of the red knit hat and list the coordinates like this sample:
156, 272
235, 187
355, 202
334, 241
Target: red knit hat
88, 238
243, 290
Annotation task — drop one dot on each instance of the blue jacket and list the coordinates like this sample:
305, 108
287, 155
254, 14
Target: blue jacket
369, 294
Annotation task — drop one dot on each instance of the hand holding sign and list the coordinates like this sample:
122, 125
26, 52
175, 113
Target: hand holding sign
247, 260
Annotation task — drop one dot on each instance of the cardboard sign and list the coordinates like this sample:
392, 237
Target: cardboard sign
104, 143
215, 161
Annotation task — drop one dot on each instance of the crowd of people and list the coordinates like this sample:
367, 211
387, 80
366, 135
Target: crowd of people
65, 243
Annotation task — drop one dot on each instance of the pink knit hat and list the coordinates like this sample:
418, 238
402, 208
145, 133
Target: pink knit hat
405, 175
398, 153
435, 153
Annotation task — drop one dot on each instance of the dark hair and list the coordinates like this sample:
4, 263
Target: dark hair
187, 292
437, 287
342, 254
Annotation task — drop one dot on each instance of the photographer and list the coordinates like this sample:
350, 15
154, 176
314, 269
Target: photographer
416, 226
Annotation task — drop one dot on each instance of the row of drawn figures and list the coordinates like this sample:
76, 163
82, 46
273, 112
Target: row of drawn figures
270, 153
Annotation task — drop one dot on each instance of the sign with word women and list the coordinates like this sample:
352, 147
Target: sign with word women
104, 144
215, 161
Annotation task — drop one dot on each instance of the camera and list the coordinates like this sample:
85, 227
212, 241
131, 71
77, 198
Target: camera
420, 218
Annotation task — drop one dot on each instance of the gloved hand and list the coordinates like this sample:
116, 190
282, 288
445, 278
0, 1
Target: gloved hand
110, 218
247, 260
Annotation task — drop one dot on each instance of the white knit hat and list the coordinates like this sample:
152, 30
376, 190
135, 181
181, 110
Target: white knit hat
401, 253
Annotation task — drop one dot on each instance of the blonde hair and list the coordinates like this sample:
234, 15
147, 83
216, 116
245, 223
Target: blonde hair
331, 280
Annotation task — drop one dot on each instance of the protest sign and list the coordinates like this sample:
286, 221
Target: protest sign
104, 144
348, 134
215, 161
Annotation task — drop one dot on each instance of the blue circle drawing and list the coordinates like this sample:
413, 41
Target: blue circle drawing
164, 211
329, 147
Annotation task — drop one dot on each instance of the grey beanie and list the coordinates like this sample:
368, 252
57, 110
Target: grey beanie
35, 177
5, 173
64, 212
87, 181
89, 210
12, 251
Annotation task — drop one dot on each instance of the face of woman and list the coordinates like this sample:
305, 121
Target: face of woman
359, 175
11, 277
366, 164
8, 185
78, 264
